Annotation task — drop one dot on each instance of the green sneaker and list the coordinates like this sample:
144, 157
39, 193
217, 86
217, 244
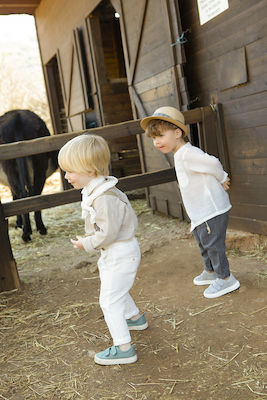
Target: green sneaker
139, 325
113, 355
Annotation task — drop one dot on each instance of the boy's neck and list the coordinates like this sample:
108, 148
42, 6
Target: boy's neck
180, 144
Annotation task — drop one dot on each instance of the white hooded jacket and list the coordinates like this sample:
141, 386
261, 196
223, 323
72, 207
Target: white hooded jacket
108, 214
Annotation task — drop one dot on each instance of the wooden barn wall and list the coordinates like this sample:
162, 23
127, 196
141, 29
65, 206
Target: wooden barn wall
85, 74
155, 78
227, 63
56, 22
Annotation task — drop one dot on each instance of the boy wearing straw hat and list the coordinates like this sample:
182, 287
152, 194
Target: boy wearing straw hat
203, 185
110, 225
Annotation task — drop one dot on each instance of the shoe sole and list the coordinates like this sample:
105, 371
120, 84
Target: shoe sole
115, 361
222, 292
200, 283
138, 327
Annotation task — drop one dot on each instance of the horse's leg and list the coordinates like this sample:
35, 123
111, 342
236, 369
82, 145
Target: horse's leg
39, 181
19, 217
27, 230
23, 221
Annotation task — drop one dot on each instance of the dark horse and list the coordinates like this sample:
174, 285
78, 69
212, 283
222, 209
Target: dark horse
25, 176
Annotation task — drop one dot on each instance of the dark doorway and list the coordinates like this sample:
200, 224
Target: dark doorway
112, 85
58, 113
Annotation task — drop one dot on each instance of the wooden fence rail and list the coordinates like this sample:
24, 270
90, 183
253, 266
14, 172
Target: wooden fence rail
55, 142
9, 278
35, 203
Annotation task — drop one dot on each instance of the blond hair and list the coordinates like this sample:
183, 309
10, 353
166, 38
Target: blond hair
85, 153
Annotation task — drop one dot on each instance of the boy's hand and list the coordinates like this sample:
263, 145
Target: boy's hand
77, 244
226, 184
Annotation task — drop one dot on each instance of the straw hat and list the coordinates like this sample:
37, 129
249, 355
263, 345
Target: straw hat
169, 114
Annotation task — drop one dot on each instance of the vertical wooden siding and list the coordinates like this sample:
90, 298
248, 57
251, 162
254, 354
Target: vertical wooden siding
227, 63
155, 76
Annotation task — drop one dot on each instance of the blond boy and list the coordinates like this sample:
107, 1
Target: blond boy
110, 225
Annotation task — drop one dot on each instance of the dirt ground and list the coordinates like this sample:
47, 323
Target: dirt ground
194, 349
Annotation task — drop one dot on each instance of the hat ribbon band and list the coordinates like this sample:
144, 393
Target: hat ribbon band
161, 115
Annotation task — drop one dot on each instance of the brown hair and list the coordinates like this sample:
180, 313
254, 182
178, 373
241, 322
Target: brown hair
156, 126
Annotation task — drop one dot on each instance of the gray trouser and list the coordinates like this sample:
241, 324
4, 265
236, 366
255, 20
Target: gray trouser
210, 237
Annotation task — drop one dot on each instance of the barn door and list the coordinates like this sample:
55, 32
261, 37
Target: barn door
110, 81
154, 59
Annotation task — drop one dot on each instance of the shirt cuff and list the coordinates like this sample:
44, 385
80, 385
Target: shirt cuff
87, 244
225, 176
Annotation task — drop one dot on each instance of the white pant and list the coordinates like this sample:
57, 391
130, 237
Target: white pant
117, 269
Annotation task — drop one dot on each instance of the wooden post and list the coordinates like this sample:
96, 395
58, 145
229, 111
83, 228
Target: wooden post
9, 278
221, 139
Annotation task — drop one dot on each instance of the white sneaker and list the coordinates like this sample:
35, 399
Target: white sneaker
221, 286
205, 278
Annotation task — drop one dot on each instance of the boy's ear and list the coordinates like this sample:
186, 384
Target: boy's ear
178, 133
91, 173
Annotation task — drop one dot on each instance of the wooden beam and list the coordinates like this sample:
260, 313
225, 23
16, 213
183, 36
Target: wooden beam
36, 203
221, 139
248, 224
18, 7
55, 142
70, 80
134, 56
9, 278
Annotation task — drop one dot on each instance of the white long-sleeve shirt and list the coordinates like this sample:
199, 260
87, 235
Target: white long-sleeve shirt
108, 214
200, 177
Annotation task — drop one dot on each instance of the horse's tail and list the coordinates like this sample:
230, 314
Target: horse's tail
22, 165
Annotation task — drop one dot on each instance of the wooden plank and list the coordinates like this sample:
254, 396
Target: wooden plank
70, 81
52, 95
9, 278
248, 143
248, 224
55, 142
250, 189
133, 160
232, 68
153, 82
22, 7
175, 31
245, 105
251, 166
42, 202
245, 210
247, 119
134, 56
223, 34
221, 139
92, 34
61, 76
205, 75
63, 88
202, 59
81, 66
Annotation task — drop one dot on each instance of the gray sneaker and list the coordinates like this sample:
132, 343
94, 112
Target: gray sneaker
205, 278
221, 286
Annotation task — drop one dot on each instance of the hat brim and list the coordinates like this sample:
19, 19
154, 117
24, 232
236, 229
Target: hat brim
144, 122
